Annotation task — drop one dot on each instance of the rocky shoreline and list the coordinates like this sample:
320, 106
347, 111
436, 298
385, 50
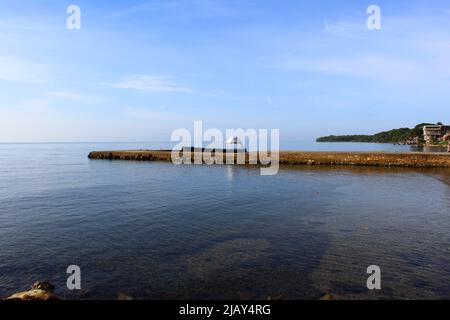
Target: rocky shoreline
43, 291
40, 290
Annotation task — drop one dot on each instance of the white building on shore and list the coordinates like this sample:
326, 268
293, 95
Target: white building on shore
433, 133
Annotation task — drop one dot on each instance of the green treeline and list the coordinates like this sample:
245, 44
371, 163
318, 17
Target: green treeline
402, 135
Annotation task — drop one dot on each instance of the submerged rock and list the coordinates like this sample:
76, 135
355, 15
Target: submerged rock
124, 296
217, 260
327, 296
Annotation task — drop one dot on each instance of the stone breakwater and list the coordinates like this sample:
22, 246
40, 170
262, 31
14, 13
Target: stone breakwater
378, 159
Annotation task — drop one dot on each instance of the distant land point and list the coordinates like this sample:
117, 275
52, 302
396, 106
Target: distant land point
424, 134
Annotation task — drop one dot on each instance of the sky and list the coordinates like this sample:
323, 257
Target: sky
138, 70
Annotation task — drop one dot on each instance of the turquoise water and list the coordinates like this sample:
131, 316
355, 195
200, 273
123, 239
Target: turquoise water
153, 230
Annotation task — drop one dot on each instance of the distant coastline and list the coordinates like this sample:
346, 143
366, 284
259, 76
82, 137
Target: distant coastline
405, 136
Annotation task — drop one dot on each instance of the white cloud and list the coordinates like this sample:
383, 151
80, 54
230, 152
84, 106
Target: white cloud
19, 70
377, 68
157, 83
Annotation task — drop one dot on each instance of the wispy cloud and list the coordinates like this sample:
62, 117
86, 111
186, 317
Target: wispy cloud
52, 99
179, 9
346, 29
35, 104
372, 67
146, 114
20, 24
407, 51
69, 96
13, 69
156, 83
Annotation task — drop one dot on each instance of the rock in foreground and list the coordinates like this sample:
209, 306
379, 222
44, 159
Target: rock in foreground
40, 290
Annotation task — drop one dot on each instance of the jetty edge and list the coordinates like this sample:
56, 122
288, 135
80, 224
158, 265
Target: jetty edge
377, 159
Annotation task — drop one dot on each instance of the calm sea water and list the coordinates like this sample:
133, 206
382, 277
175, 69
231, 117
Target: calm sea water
153, 230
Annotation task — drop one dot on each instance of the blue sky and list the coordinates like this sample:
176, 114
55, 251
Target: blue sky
137, 70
